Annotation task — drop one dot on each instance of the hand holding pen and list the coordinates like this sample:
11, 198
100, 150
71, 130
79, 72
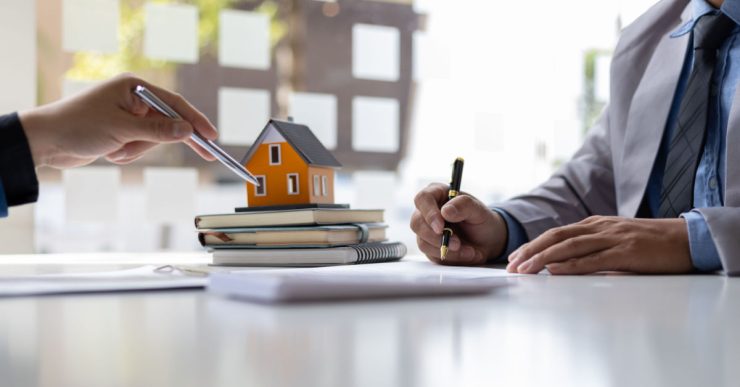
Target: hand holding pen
476, 233
108, 120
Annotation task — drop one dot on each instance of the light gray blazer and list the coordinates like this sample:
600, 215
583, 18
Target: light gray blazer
609, 173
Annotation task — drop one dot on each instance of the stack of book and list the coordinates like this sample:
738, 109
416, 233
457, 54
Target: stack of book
297, 237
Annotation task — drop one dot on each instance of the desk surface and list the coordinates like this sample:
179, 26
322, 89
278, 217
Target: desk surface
614, 330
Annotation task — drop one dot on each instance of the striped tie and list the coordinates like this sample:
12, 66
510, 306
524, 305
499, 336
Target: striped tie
688, 135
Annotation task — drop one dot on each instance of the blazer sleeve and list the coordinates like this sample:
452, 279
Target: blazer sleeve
17, 171
582, 187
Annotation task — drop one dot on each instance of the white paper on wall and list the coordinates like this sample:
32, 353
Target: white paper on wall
318, 112
244, 39
91, 194
242, 114
90, 25
171, 32
489, 132
170, 194
71, 87
18, 71
375, 52
375, 124
431, 58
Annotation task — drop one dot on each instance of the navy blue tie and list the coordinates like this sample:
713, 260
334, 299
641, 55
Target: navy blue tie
687, 141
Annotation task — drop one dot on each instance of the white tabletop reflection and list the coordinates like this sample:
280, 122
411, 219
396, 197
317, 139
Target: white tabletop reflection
604, 330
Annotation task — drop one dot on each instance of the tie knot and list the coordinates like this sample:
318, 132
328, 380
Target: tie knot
711, 30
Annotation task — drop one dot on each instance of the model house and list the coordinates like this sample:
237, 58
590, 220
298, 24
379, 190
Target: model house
292, 166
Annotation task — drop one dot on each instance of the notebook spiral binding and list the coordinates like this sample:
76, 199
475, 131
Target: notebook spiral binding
379, 252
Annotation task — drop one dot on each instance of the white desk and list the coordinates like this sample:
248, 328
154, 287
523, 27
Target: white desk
556, 331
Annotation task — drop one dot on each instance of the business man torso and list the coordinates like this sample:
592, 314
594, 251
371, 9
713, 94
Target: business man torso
610, 174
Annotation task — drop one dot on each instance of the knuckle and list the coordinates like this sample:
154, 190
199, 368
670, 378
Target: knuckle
414, 223
160, 128
128, 77
571, 244
419, 198
556, 233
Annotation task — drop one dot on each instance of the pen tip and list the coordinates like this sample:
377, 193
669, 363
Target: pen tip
443, 253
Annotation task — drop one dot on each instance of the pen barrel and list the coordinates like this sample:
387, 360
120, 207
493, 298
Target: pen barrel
446, 235
457, 170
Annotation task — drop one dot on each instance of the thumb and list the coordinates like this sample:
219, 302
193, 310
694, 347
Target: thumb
465, 208
158, 129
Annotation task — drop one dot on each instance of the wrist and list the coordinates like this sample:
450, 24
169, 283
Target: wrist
35, 124
500, 235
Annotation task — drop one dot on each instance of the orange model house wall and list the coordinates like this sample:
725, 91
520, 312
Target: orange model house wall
287, 177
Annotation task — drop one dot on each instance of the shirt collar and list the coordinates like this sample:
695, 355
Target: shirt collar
699, 8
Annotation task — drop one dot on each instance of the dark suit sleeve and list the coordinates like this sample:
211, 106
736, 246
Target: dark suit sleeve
17, 170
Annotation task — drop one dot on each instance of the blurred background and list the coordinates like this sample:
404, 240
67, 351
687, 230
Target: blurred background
396, 89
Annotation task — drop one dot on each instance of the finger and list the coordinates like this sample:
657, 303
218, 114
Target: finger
465, 208
579, 246
199, 150
549, 238
428, 201
155, 129
425, 232
130, 152
600, 261
465, 255
189, 113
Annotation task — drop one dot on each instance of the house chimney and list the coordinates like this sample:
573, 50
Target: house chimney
290, 118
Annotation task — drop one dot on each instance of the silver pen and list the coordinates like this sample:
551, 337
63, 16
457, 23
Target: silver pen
152, 100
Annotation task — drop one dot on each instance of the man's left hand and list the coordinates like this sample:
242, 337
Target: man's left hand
602, 243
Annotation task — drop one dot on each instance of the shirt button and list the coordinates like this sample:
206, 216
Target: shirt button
713, 183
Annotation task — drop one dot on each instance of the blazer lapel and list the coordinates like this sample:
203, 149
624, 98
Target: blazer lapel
732, 166
646, 122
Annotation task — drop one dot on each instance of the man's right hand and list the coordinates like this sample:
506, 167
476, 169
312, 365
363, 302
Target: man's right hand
480, 233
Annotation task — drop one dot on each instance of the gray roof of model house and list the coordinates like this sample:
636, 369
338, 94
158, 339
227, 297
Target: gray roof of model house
301, 138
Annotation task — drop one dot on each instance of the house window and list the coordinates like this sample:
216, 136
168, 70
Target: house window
274, 154
324, 190
262, 189
315, 185
292, 184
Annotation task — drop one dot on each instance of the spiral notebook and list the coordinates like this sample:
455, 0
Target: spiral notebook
344, 255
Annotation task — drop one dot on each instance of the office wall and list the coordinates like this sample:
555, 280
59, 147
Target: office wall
396, 89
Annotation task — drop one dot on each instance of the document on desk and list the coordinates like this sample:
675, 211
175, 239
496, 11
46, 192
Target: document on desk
392, 279
140, 278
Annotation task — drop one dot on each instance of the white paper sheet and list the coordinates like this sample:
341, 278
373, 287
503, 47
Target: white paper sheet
375, 124
375, 52
170, 194
141, 278
171, 32
242, 114
319, 112
244, 39
395, 279
90, 25
91, 194
18, 64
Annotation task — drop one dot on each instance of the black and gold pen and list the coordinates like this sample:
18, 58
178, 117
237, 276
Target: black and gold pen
454, 190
